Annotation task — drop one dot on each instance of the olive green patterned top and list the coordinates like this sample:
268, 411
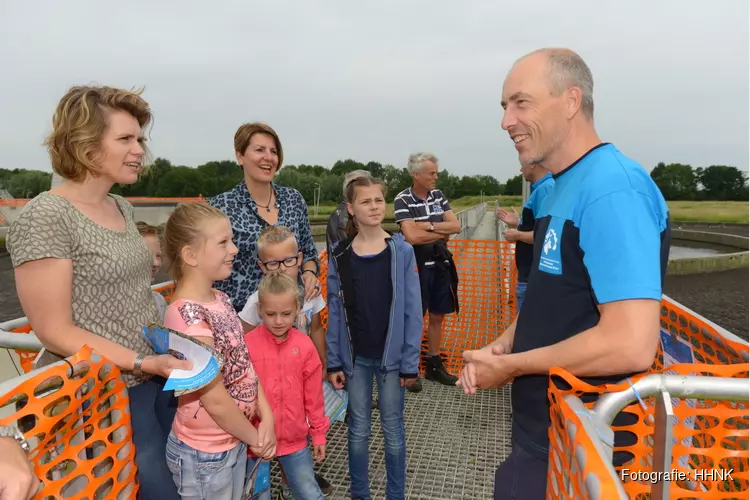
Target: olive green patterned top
111, 269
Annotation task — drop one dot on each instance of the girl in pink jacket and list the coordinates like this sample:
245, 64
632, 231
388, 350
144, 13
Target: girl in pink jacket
290, 371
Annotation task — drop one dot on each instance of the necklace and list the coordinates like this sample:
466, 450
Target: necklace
267, 206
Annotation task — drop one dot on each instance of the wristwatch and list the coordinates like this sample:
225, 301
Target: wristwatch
13, 432
432, 227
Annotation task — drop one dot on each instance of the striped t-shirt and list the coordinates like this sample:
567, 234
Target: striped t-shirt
408, 206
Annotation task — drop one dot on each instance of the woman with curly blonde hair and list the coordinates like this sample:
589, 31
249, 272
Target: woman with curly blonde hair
82, 270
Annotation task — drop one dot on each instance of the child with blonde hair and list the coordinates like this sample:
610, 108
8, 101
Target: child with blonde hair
213, 428
278, 251
150, 235
290, 369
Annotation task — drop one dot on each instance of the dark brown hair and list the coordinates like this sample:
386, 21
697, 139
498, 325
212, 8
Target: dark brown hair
350, 195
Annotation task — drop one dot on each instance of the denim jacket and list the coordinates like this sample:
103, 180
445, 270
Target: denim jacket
405, 327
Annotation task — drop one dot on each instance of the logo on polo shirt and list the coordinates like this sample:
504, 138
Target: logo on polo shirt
550, 241
550, 259
436, 208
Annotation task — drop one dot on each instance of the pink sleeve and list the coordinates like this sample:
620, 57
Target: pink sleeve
195, 326
314, 401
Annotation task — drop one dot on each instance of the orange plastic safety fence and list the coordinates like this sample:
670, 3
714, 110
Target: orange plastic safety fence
166, 291
568, 440
77, 421
487, 281
324, 287
707, 344
710, 435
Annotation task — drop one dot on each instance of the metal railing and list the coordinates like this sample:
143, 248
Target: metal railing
470, 219
20, 341
594, 427
597, 421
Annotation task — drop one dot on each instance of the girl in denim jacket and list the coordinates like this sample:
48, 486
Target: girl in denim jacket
374, 330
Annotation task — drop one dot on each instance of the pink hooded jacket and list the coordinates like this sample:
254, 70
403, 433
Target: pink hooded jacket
291, 374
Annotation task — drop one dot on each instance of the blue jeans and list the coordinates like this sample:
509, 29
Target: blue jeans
520, 295
391, 404
207, 476
300, 474
152, 411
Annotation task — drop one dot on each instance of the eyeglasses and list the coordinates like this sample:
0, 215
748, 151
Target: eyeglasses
273, 265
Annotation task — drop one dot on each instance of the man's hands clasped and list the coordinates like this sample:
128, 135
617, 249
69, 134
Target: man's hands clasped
486, 368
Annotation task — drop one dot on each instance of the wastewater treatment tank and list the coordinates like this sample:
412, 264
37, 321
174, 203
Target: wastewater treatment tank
681, 249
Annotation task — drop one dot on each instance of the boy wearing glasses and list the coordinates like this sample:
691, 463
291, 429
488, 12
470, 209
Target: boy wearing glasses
278, 251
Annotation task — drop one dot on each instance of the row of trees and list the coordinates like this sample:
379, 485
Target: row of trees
676, 181
717, 182
166, 180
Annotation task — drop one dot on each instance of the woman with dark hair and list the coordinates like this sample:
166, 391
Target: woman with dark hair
258, 202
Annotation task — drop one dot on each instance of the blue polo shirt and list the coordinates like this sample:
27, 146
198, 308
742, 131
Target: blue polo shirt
524, 251
602, 235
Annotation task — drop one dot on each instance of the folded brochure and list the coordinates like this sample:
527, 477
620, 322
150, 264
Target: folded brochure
206, 361
336, 402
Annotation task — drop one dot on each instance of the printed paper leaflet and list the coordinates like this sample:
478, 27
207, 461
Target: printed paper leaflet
206, 362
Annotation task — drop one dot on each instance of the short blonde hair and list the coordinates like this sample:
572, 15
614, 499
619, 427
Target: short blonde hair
80, 121
277, 283
273, 235
183, 228
246, 132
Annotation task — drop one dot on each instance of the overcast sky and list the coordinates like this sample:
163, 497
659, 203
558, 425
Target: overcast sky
338, 79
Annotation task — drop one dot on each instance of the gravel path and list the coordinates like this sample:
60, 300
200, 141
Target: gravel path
721, 297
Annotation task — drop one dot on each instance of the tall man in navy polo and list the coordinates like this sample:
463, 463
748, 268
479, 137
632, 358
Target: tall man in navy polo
601, 245
427, 222
522, 230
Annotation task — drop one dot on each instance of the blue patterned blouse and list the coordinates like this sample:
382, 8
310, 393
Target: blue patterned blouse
247, 225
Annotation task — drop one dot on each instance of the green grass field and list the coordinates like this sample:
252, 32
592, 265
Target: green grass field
325, 211
709, 211
682, 211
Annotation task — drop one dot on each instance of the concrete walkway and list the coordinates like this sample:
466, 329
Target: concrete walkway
487, 227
